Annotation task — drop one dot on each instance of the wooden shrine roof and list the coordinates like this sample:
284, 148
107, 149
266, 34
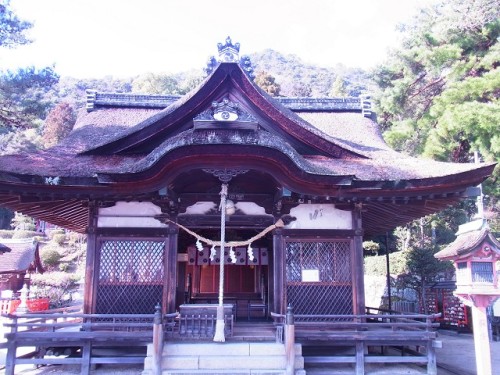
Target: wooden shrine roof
127, 146
21, 255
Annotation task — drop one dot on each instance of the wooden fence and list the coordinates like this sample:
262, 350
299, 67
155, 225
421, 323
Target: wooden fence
363, 332
67, 332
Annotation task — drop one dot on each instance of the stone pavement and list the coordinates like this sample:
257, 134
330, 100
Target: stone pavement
455, 357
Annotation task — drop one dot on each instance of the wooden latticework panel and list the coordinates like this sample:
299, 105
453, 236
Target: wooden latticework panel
130, 278
319, 277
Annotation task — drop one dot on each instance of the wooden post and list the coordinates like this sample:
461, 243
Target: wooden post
278, 261
431, 346
91, 261
290, 341
170, 264
360, 358
10, 360
86, 355
431, 358
358, 281
157, 341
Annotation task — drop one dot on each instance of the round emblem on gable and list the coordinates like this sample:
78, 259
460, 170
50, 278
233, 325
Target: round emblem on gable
225, 116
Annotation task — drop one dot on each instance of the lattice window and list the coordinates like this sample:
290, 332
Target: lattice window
482, 272
319, 277
130, 278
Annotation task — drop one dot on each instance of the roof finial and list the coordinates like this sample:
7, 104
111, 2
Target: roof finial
228, 52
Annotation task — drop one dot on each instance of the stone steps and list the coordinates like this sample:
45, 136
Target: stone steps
262, 358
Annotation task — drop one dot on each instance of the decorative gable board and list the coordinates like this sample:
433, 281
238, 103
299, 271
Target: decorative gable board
130, 215
320, 216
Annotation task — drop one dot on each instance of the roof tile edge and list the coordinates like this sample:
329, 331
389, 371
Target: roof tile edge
346, 104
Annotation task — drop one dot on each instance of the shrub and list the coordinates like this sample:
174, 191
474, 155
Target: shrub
55, 285
24, 234
6, 233
59, 238
376, 265
50, 256
63, 267
55, 232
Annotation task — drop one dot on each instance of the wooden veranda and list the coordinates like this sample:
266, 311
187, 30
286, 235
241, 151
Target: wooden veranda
76, 337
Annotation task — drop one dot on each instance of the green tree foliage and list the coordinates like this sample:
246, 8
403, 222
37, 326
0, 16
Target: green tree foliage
302, 90
13, 142
24, 98
159, 84
377, 265
166, 84
58, 124
73, 90
268, 83
424, 268
12, 29
371, 247
289, 70
339, 88
22, 222
438, 93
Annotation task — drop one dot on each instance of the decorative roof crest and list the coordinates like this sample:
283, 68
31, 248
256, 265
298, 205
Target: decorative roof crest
228, 52
224, 111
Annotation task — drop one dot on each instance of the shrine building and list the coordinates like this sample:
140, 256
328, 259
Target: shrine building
307, 180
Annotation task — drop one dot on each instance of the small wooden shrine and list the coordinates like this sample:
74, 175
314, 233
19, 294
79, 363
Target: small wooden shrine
18, 258
141, 175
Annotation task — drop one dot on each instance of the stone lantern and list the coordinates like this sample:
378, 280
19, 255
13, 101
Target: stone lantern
474, 254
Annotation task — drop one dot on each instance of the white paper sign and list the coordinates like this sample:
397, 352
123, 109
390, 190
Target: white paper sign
310, 275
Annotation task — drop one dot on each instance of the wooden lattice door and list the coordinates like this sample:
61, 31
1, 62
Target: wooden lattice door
319, 277
130, 276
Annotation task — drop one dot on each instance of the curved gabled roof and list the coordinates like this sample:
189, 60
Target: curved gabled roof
468, 242
226, 79
129, 146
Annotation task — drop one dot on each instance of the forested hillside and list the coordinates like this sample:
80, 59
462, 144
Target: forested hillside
297, 78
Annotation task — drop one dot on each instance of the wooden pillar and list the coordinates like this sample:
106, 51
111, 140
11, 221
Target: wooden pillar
91, 261
290, 341
170, 264
157, 342
278, 303
360, 358
358, 280
431, 358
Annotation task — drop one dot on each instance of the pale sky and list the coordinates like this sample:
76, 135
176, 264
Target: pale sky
123, 38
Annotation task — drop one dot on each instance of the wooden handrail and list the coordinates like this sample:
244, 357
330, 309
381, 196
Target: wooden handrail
85, 330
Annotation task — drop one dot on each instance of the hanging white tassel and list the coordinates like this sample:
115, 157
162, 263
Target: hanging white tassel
232, 255
250, 253
213, 253
219, 325
199, 245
